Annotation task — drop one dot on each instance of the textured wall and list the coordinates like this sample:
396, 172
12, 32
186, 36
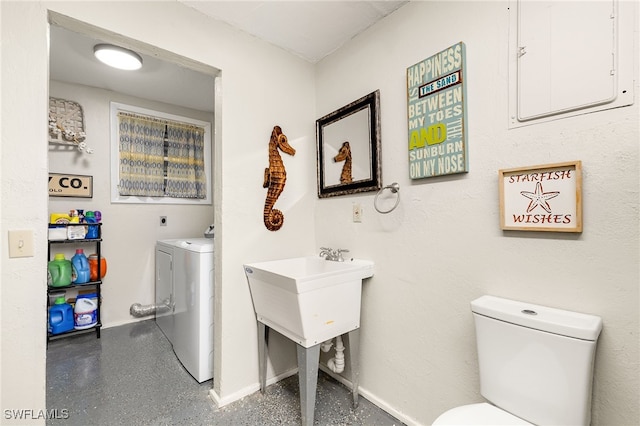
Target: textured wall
261, 86
443, 247
440, 249
23, 173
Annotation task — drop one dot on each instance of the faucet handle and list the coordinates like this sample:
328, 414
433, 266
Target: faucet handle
339, 254
325, 252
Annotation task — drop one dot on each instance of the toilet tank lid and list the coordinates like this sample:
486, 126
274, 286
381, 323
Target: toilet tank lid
551, 320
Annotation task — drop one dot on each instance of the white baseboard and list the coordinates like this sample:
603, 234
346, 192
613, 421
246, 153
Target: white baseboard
383, 405
374, 399
248, 390
125, 322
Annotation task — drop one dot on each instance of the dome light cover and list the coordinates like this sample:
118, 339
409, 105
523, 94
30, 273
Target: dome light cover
117, 57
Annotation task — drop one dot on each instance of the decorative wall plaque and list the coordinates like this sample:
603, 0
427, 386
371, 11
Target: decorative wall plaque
65, 185
66, 123
542, 198
436, 110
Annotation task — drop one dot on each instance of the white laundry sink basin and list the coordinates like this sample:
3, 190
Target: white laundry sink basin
308, 299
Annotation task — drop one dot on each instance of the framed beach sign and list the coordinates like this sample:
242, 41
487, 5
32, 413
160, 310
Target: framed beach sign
436, 112
542, 198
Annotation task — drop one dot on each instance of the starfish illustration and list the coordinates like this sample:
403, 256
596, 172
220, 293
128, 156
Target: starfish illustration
539, 198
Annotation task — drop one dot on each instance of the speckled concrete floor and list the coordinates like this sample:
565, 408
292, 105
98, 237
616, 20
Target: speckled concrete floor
130, 376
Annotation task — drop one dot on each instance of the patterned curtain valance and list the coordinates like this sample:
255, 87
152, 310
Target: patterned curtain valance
160, 157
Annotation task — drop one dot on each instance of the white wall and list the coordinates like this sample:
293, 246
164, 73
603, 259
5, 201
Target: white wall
129, 230
261, 86
23, 205
440, 249
443, 245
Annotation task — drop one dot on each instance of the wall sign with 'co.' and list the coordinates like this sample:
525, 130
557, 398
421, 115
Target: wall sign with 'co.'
62, 185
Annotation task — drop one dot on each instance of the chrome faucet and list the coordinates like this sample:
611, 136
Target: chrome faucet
331, 254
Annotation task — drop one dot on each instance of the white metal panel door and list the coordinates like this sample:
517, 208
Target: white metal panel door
164, 292
186, 315
566, 56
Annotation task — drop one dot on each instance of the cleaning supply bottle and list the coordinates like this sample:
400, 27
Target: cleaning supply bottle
93, 267
85, 313
61, 317
59, 271
75, 218
81, 272
92, 232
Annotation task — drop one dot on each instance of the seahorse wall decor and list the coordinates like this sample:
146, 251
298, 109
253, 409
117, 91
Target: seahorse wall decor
345, 155
275, 177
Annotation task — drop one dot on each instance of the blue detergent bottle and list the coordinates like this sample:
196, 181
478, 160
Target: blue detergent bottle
61, 317
81, 270
92, 231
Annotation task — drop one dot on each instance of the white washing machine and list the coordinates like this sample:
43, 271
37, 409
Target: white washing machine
184, 296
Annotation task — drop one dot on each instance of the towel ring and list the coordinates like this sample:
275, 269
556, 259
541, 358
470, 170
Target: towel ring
395, 189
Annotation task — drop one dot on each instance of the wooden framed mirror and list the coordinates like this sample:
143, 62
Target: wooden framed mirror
348, 147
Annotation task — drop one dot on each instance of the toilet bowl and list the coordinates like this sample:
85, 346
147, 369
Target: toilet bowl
535, 365
478, 414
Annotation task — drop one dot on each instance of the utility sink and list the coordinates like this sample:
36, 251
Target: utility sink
308, 299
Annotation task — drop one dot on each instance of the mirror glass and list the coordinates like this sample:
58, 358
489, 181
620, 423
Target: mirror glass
348, 145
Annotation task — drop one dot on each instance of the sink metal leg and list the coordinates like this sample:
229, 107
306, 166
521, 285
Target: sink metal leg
308, 360
263, 349
354, 362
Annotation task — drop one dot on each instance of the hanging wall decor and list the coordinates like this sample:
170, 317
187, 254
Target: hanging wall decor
542, 198
348, 147
66, 124
275, 177
66, 185
436, 96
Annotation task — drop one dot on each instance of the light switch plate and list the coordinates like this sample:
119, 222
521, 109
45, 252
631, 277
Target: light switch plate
21, 243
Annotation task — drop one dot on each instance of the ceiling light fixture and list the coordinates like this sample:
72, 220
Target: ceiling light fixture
117, 57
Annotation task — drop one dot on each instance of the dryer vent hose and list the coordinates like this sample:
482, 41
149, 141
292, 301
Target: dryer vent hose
138, 310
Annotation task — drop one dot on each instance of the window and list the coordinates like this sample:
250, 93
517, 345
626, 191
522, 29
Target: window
159, 158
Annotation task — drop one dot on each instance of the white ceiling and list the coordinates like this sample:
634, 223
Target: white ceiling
309, 29
71, 60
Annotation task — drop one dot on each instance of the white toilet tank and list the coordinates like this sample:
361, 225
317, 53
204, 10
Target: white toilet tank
536, 362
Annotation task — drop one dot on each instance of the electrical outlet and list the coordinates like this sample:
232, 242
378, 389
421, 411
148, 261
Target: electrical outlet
163, 221
357, 213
